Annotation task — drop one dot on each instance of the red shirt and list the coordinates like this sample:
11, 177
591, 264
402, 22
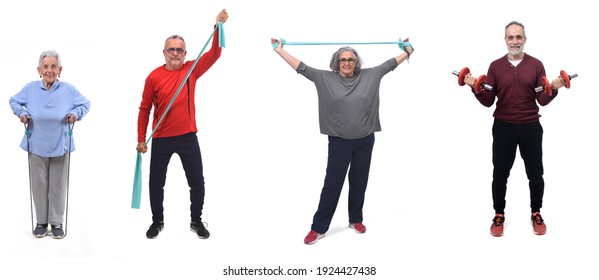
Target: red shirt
160, 87
514, 87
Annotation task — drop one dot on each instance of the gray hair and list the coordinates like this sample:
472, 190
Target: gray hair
174, 37
49, 53
513, 22
335, 59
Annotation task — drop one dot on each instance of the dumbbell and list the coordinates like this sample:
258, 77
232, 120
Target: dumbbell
480, 84
546, 85
567, 77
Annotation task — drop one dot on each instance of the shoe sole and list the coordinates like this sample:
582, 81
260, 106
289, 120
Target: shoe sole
40, 235
497, 235
319, 236
154, 237
200, 237
360, 232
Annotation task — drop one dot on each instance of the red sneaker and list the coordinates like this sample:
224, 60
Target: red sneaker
538, 225
358, 227
497, 226
312, 237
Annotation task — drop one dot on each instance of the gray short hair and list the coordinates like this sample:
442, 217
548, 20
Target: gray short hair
513, 22
335, 59
174, 37
49, 53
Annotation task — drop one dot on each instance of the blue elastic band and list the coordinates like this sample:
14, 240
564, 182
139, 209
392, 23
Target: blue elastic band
402, 45
221, 34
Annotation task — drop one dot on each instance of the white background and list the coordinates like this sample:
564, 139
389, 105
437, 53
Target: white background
428, 206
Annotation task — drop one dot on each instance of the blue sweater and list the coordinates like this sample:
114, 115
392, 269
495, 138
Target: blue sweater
48, 110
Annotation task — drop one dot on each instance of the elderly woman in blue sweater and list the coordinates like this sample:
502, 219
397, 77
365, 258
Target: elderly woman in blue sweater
49, 107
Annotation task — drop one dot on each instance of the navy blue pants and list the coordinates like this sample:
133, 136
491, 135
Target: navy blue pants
354, 154
506, 137
188, 149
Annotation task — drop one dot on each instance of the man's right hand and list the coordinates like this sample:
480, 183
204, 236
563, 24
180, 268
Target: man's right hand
142, 147
222, 16
470, 80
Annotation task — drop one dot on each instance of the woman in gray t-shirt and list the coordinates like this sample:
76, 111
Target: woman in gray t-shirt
348, 108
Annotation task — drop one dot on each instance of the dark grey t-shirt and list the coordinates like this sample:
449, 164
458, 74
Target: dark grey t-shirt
348, 107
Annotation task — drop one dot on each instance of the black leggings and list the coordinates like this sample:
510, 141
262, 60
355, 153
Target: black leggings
188, 149
506, 137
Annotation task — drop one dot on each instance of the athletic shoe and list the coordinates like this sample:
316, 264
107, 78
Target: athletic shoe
200, 229
155, 228
312, 237
40, 230
538, 225
57, 232
358, 227
497, 226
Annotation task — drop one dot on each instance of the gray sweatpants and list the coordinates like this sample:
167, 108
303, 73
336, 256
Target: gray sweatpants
49, 177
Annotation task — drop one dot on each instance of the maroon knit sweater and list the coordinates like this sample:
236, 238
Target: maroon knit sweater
514, 87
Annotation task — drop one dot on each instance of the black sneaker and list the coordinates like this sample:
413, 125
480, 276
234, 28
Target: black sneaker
57, 232
154, 229
199, 229
40, 230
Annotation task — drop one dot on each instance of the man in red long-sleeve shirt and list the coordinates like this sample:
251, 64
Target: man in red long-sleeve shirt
514, 78
177, 131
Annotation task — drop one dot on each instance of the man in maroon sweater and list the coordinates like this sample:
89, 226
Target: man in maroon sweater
514, 78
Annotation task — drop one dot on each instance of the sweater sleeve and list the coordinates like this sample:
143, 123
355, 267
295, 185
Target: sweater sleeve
209, 58
18, 103
144, 110
487, 97
542, 97
81, 105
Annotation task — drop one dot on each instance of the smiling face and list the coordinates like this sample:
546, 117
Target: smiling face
174, 53
515, 40
49, 70
347, 64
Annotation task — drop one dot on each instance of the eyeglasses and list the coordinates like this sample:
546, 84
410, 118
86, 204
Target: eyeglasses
348, 60
173, 50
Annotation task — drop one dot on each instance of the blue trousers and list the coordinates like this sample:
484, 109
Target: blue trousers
188, 149
506, 137
354, 154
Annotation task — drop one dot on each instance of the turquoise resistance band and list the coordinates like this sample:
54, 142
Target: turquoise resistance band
402, 44
136, 198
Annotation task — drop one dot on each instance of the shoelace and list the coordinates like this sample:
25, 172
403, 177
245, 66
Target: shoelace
205, 224
498, 220
157, 225
537, 219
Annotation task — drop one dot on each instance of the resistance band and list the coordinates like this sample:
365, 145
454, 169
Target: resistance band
402, 44
136, 198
